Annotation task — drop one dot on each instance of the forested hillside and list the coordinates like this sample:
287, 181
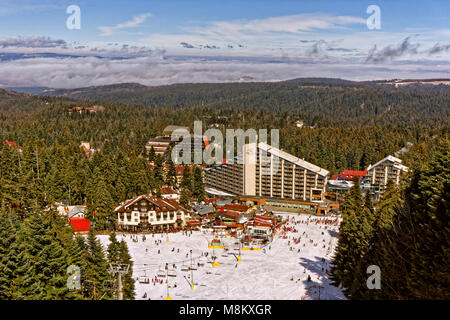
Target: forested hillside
42, 163
317, 104
52, 167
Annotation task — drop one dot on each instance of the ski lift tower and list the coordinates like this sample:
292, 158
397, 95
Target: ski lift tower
192, 274
120, 269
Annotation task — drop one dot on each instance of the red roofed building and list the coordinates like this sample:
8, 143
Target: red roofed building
237, 207
80, 224
169, 193
12, 144
228, 216
349, 174
263, 221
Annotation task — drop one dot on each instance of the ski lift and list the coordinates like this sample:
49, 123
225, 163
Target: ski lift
201, 262
184, 267
171, 273
143, 279
161, 273
193, 267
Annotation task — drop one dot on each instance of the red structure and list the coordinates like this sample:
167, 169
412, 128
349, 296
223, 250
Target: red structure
80, 224
349, 174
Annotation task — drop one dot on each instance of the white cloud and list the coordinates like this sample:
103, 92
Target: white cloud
133, 23
159, 70
295, 24
31, 42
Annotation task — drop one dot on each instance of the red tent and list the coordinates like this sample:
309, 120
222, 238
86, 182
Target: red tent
79, 224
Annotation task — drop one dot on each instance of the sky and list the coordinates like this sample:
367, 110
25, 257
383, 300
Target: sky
172, 41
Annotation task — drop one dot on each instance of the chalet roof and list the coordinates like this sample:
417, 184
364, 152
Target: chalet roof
159, 203
297, 161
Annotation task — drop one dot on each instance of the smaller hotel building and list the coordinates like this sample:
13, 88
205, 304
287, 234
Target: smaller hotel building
146, 212
389, 168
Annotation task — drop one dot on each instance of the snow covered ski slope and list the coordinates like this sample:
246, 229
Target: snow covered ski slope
302, 247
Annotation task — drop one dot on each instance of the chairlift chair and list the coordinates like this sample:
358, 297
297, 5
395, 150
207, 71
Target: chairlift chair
161, 273
184, 267
143, 279
193, 267
171, 273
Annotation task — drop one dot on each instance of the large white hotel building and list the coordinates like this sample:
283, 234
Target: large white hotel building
268, 172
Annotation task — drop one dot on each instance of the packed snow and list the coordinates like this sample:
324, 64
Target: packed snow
302, 247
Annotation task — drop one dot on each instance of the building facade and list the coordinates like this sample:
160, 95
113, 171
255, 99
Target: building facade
264, 171
160, 145
389, 168
147, 212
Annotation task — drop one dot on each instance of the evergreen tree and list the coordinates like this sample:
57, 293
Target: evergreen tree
185, 197
113, 248
198, 185
425, 223
8, 254
171, 176
344, 259
100, 203
186, 181
158, 174
151, 154
96, 270
127, 279
368, 204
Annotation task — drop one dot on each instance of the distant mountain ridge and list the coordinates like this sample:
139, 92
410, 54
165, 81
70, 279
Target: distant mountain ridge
326, 102
441, 83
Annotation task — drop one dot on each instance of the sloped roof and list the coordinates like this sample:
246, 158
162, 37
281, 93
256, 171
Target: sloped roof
393, 159
160, 204
236, 207
297, 161
76, 210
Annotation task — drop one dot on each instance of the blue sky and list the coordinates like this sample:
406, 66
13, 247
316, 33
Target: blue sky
214, 41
